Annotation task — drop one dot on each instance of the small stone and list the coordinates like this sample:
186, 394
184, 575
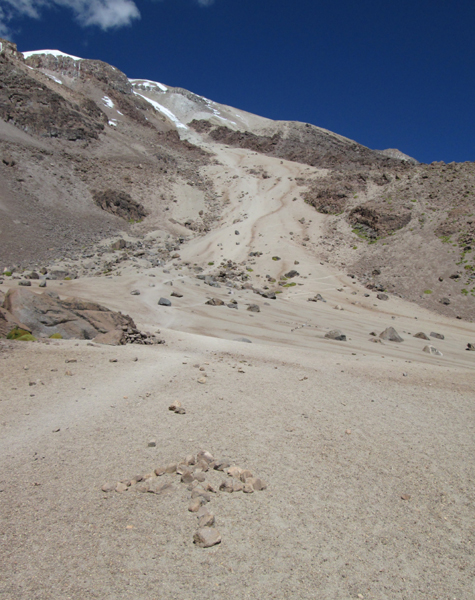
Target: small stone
135, 293
470, 347
183, 468
348, 432
159, 471
195, 505
234, 472
338, 307
209, 488
121, 487
180, 411
220, 465
176, 294
237, 486
202, 512
254, 308
206, 521
438, 336
112, 360
170, 468
174, 405
382, 296
226, 486
164, 302
248, 489
405, 497
245, 475
108, 487
257, 483
142, 487
190, 459
444, 301
215, 302
202, 380
42, 283
205, 455
152, 443
202, 465
207, 537
187, 477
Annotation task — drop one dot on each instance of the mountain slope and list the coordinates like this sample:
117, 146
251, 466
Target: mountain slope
78, 130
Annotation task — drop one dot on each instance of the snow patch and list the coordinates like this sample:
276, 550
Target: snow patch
113, 122
163, 110
56, 53
147, 84
54, 79
108, 102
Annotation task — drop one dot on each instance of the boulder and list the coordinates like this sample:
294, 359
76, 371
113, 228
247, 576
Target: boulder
431, 350
391, 335
215, 302
336, 334
382, 296
292, 273
445, 301
164, 302
253, 308
421, 335
438, 336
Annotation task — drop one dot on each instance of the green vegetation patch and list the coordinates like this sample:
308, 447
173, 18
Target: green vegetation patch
16, 333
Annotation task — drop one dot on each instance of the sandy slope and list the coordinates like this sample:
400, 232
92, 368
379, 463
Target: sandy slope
339, 431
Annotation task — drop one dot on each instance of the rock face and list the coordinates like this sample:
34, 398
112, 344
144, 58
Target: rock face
35, 108
46, 315
391, 335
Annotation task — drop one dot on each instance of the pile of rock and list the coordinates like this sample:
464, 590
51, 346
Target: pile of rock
198, 473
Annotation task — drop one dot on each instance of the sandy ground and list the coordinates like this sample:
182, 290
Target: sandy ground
367, 449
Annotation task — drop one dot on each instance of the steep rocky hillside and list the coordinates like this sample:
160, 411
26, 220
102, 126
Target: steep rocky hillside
87, 152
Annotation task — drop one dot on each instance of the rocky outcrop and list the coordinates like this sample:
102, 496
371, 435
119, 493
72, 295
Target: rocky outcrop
46, 315
376, 220
300, 142
34, 107
120, 204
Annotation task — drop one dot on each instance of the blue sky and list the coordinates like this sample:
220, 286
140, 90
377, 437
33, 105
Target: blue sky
388, 74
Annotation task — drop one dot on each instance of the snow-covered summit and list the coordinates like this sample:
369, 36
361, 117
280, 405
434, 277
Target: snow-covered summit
56, 53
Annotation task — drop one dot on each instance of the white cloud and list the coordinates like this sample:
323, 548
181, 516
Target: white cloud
106, 14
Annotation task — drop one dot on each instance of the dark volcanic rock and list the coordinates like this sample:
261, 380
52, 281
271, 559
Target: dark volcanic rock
32, 106
379, 219
120, 204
